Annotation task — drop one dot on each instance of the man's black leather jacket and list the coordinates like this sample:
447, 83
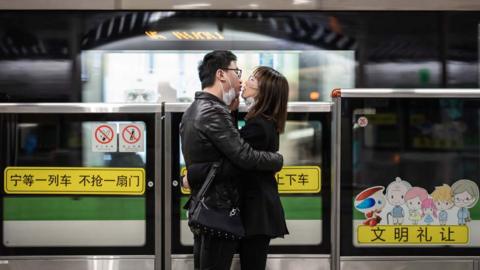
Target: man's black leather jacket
208, 134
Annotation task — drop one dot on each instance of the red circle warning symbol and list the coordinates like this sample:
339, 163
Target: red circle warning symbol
104, 134
131, 134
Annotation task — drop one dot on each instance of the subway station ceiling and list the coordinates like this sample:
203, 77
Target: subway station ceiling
382, 36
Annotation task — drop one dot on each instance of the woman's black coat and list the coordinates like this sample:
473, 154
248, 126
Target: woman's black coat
260, 207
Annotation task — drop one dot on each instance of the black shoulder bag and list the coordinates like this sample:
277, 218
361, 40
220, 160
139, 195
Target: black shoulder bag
221, 223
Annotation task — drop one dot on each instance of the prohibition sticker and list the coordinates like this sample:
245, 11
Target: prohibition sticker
362, 121
104, 138
132, 137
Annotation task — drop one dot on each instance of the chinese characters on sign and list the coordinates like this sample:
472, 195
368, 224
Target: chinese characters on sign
405, 214
291, 179
184, 35
299, 179
74, 180
411, 234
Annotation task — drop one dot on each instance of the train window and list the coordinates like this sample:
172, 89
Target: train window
154, 76
414, 174
64, 221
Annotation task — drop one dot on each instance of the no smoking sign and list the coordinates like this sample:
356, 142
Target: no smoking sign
132, 137
104, 138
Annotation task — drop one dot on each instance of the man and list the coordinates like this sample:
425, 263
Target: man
208, 134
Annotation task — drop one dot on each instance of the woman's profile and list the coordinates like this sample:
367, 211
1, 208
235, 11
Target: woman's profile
266, 96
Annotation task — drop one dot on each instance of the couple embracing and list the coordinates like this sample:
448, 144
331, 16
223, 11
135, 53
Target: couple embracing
233, 170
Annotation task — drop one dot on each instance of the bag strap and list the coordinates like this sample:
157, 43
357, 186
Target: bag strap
208, 181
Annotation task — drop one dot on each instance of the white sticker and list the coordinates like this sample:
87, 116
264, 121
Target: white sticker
104, 138
362, 121
132, 137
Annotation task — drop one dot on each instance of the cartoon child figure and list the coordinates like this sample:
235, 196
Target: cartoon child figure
442, 197
465, 195
371, 201
428, 209
414, 198
396, 196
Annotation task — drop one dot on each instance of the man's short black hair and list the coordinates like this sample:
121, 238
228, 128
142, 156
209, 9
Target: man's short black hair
211, 62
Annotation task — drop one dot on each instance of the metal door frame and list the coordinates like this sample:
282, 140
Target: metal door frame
307, 107
337, 95
95, 108
316, 5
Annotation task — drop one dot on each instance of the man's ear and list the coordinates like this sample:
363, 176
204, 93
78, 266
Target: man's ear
220, 75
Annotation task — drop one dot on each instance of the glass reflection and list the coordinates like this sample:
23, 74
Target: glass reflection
51, 220
172, 76
432, 144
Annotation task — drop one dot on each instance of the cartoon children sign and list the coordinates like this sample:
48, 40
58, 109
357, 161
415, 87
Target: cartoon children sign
371, 201
396, 196
465, 194
442, 197
423, 208
414, 198
429, 211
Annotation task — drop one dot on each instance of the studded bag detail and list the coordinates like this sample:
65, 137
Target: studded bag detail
218, 222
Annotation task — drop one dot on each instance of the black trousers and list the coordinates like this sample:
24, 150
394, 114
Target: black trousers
253, 252
211, 253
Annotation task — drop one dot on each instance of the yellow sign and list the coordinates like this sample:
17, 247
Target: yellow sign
177, 35
299, 179
425, 142
417, 119
412, 234
387, 119
198, 35
74, 180
154, 35
291, 179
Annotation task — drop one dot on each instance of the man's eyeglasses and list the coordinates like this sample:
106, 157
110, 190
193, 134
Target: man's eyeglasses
236, 70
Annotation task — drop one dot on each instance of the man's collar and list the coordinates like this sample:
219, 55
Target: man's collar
209, 96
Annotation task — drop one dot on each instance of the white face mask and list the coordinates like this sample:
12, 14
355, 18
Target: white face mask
229, 96
249, 102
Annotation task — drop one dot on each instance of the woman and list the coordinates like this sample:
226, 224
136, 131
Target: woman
266, 97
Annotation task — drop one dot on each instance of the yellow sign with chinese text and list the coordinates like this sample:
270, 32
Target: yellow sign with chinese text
413, 234
382, 119
291, 179
74, 180
425, 142
184, 35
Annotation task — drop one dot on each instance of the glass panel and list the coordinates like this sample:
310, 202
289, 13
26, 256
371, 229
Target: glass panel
301, 145
72, 220
415, 172
154, 76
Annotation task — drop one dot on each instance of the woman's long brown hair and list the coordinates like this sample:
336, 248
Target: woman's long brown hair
272, 97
